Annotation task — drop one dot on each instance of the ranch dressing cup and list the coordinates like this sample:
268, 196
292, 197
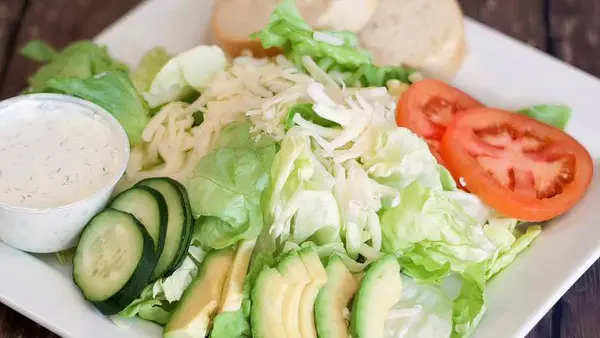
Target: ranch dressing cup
60, 159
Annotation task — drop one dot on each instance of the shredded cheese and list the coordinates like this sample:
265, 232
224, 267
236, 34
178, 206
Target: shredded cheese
261, 90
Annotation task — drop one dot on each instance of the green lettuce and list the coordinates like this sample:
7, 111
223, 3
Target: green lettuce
359, 199
448, 182
300, 204
417, 263
442, 230
332, 52
83, 60
510, 244
288, 30
470, 305
39, 51
306, 111
192, 70
150, 64
149, 307
470, 205
424, 310
112, 91
158, 300
225, 192
555, 115
450, 307
501, 232
398, 158
66, 256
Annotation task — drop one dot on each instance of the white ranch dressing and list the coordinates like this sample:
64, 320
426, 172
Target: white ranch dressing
54, 153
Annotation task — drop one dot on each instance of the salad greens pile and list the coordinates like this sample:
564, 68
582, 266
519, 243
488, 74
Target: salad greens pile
383, 194
226, 189
332, 52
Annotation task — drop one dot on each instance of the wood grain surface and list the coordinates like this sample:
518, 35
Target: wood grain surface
567, 29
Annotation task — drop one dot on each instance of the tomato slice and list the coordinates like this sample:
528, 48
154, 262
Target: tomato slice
428, 106
521, 167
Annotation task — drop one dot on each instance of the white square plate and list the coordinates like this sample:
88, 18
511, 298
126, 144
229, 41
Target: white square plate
499, 71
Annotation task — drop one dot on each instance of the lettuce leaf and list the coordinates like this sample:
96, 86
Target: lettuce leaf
451, 307
443, 231
288, 30
150, 64
192, 70
417, 263
112, 91
300, 204
225, 192
38, 51
333, 52
66, 256
83, 60
306, 111
555, 115
470, 305
148, 307
398, 158
448, 183
359, 199
505, 257
424, 310
470, 204
158, 300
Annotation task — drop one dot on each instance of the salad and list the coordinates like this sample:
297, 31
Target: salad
311, 194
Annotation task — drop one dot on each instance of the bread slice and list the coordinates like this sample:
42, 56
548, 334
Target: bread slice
426, 34
351, 15
234, 20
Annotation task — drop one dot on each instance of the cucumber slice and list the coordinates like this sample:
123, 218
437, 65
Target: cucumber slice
178, 225
114, 260
150, 208
187, 229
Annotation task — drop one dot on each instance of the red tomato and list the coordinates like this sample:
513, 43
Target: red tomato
519, 166
428, 106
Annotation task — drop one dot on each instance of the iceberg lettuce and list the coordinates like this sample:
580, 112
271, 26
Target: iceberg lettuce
191, 70
225, 192
443, 231
301, 204
157, 300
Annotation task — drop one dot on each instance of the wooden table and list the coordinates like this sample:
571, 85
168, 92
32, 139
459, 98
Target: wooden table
567, 29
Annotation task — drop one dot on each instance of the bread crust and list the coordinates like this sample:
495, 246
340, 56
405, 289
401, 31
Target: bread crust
234, 45
442, 60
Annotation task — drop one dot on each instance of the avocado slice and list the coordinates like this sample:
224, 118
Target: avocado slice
292, 268
333, 299
200, 301
379, 290
318, 277
232, 291
267, 303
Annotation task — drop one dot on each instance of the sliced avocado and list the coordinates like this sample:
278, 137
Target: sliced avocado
318, 278
232, 291
379, 290
292, 268
333, 300
267, 303
201, 299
